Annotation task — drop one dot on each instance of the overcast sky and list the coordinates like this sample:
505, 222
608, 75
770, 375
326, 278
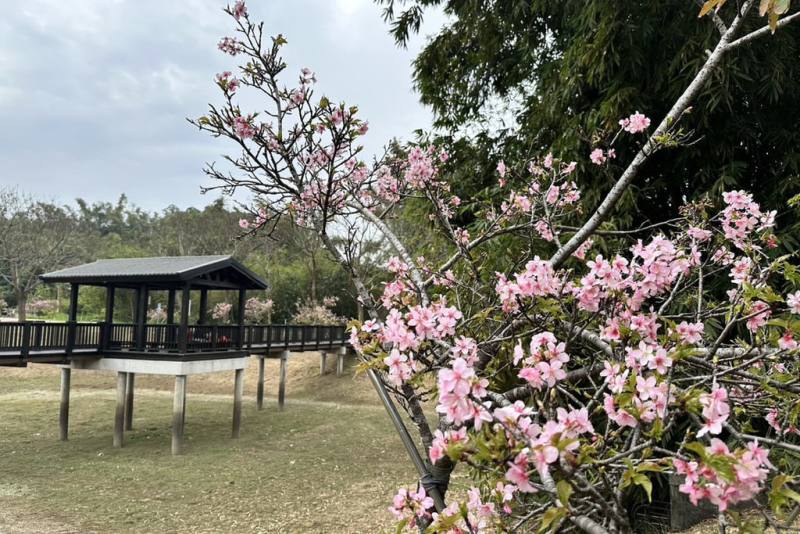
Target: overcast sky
94, 93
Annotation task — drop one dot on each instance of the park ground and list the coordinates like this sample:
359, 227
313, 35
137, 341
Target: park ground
329, 462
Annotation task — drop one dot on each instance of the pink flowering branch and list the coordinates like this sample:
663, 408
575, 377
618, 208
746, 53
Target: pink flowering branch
558, 389
672, 117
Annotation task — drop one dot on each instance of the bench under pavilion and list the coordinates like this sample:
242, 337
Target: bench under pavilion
177, 346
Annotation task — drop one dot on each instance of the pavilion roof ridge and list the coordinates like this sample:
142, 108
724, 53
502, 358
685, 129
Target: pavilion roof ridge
155, 269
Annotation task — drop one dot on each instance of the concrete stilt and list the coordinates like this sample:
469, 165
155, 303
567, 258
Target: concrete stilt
282, 382
340, 361
185, 392
238, 389
129, 401
260, 387
119, 416
323, 357
178, 414
63, 414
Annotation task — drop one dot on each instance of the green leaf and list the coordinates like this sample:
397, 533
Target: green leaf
552, 518
649, 466
644, 482
697, 448
564, 490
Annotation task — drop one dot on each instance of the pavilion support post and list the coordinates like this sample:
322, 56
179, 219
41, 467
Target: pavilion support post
178, 414
203, 306
141, 317
63, 414
72, 317
109, 318
340, 361
171, 316
73, 302
119, 416
282, 379
323, 357
183, 330
171, 306
260, 386
238, 390
129, 401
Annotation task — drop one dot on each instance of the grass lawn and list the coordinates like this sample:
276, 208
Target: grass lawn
330, 462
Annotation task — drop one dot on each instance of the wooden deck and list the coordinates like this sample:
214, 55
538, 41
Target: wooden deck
39, 342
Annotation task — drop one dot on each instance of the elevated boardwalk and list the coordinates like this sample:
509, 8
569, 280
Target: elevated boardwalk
177, 347
41, 342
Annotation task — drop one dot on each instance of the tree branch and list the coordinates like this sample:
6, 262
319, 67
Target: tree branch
680, 106
763, 31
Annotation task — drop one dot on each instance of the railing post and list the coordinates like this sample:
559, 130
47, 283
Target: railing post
71, 326
102, 342
37, 335
240, 318
269, 336
316, 336
26, 341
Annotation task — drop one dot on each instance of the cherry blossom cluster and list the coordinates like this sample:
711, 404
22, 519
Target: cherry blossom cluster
411, 506
473, 517
544, 365
742, 217
723, 477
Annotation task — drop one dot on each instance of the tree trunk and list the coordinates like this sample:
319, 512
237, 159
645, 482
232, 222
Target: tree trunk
313, 275
22, 301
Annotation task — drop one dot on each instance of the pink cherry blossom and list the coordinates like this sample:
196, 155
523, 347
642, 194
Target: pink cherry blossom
787, 341
239, 9
517, 473
699, 234
715, 411
411, 505
597, 156
759, 314
229, 45
690, 333
635, 123
793, 301
501, 169
243, 128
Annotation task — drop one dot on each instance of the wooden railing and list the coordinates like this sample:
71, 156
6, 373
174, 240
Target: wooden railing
24, 338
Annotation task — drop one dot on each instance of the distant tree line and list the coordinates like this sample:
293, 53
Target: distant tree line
38, 236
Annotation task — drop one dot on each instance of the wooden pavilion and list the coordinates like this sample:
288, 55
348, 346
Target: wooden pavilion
180, 348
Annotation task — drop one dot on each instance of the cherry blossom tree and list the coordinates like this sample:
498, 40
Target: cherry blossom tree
570, 363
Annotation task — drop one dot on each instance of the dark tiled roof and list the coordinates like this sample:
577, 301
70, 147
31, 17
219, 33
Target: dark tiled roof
160, 269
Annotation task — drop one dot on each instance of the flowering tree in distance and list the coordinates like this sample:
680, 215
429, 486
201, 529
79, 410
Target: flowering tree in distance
565, 383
